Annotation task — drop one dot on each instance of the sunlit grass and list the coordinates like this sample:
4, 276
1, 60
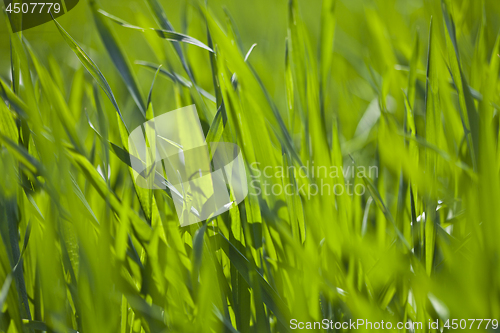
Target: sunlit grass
409, 89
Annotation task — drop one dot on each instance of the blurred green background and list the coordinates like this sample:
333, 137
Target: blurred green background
265, 23
336, 83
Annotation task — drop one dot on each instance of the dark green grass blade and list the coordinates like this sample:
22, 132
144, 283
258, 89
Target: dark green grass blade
119, 57
470, 117
91, 67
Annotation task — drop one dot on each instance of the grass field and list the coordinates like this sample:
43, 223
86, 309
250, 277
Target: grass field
392, 103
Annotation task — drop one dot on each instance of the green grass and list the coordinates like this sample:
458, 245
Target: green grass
408, 87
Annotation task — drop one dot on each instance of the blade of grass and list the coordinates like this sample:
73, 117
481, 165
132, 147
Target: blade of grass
164, 34
119, 58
